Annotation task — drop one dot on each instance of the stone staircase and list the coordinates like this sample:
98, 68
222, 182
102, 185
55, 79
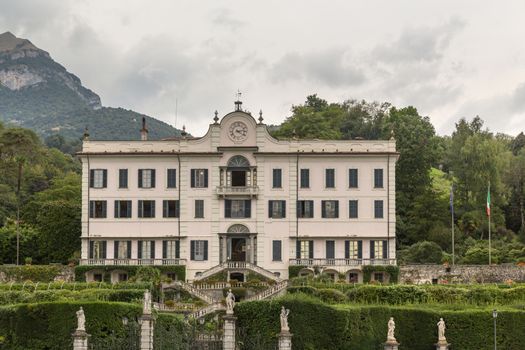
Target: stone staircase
276, 290
198, 293
237, 265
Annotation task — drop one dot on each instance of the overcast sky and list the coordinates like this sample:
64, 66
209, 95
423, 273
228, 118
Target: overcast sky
450, 59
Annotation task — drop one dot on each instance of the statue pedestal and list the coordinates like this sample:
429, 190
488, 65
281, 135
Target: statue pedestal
285, 340
80, 340
391, 345
146, 332
228, 340
442, 345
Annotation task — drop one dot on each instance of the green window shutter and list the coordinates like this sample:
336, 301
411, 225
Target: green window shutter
177, 249
385, 246
360, 249
205, 250
311, 249
298, 249
347, 249
247, 208
140, 178
115, 249
153, 178
192, 250
152, 249
372, 249
139, 250
192, 177
129, 250
91, 178
228, 208
164, 249
140, 209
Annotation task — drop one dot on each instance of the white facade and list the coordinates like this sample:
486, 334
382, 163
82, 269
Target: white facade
218, 194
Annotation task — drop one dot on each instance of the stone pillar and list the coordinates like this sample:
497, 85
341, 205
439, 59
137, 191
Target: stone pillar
229, 332
391, 345
80, 340
146, 332
285, 340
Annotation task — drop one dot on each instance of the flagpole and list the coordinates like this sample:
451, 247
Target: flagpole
452, 219
489, 213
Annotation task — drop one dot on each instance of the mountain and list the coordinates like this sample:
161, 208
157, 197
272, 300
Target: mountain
38, 93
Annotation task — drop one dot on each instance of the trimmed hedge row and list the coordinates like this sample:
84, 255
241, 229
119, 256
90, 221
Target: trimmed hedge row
20, 297
49, 325
80, 271
319, 326
35, 273
72, 286
411, 294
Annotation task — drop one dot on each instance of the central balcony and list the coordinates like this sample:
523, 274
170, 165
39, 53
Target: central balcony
251, 191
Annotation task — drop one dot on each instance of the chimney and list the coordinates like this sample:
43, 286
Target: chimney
144, 130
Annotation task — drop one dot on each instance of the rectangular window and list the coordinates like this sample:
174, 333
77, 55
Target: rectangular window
378, 209
277, 178
171, 178
146, 178
305, 209
199, 250
199, 208
378, 178
353, 249
305, 250
378, 249
98, 209
170, 208
199, 178
98, 178
330, 209
122, 249
277, 209
146, 209
146, 249
353, 178
330, 249
353, 209
305, 178
123, 178
97, 249
237, 208
122, 209
276, 250
171, 249
330, 178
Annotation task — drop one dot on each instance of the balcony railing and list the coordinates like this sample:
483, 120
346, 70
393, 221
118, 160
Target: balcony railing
341, 262
237, 190
133, 262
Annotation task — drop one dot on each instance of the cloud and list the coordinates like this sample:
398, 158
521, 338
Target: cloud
224, 17
419, 44
331, 67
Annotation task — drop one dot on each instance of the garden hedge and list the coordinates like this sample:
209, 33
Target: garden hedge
392, 270
49, 325
35, 273
319, 326
80, 271
19, 297
29, 287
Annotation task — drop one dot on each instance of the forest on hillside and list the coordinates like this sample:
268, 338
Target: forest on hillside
428, 165
44, 184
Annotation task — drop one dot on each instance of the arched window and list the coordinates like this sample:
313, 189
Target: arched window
238, 162
238, 228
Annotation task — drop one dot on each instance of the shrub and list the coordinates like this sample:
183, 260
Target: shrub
35, 273
331, 296
80, 271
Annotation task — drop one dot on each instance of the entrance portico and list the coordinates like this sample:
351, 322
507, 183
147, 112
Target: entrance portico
238, 244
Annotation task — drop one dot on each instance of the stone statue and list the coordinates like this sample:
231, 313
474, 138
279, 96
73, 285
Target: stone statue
147, 303
284, 319
441, 331
230, 302
81, 320
391, 327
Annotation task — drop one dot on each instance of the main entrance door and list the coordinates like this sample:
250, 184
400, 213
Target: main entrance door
238, 249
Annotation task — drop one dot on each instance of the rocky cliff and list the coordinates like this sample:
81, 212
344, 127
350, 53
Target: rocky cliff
38, 93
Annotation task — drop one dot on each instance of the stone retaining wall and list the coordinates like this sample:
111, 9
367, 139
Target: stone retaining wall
420, 274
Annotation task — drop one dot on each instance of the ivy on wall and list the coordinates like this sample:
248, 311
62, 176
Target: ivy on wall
393, 272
